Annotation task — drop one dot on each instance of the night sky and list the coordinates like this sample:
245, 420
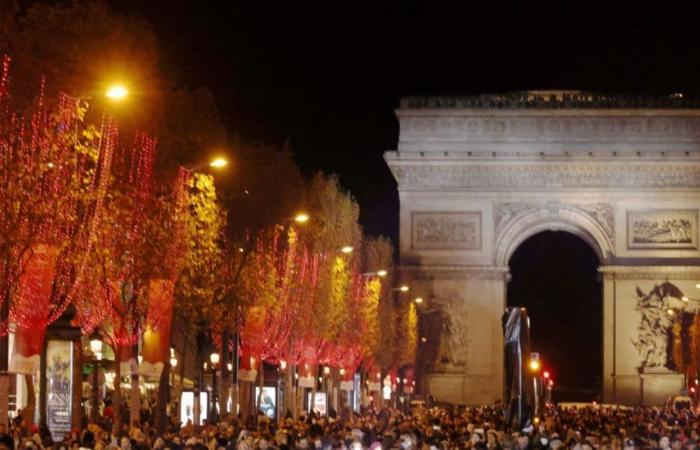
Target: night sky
327, 76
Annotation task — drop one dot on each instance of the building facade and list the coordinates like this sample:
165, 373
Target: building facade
479, 175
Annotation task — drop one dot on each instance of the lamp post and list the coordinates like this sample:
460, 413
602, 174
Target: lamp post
173, 365
214, 359
216, 163
96, 350
535, 365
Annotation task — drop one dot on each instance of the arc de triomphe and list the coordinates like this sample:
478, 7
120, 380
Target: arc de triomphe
479, 175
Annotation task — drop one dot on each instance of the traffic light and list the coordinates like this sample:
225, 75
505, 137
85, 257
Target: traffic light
535, 362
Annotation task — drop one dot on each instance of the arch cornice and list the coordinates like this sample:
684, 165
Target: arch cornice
569, 218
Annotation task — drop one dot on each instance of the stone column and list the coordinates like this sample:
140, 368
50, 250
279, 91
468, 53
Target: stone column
469, 301
627, 377
609, 338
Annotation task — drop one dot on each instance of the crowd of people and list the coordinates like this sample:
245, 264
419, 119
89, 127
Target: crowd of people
423, 428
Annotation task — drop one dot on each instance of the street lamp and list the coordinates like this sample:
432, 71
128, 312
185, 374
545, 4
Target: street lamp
218, 163
301, 217
534, 363
173, 365
214, 358
418, 300
96, 345
117, 92
96, 350
347, 249
381, 273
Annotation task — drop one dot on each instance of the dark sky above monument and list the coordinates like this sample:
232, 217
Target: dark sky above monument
327, 76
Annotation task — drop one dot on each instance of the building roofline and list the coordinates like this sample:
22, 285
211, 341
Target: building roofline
562, 99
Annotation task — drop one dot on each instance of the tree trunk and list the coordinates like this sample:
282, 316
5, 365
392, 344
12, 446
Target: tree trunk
299, 400
335, 389
244, 398
178, 391
225, 376
314, 389
261, 381
76, 413
31, 402
161, 417
117, 396
135, 400
289, 397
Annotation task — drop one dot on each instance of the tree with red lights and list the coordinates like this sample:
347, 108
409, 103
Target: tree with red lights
51, 190
137, 242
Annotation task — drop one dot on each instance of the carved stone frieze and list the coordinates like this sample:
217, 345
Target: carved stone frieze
523, 127
454, 334
505, 213
547, 176
446, 230
600, 213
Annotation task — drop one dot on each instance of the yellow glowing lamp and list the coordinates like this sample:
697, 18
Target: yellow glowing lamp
117, 92
96, 345
382, 273
404, 288
534, 365
301, 218
218, 163
347, 249
418, 300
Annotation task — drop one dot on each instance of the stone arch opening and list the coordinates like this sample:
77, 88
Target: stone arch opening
589, 225
554, 275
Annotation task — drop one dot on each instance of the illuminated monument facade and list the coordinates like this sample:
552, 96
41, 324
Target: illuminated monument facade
479, 175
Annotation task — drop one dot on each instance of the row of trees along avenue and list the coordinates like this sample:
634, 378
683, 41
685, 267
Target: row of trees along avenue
108, 213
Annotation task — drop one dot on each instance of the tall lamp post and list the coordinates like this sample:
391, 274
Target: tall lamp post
214, 360
96, 350
173, 364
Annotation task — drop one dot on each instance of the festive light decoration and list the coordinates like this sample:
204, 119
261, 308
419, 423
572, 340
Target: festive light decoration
310, 308
53, 171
